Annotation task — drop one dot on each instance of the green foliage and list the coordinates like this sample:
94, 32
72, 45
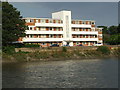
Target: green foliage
8, 49
18, 45
31, 45
13, 26
106, 38
116, 52
103, 49
114, 39
113, 30
118, 28
64, 49
111, 34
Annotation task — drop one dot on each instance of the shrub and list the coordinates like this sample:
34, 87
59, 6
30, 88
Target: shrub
64, 49
20, 56
103, 49
117, 51
31, 45
39, 55
8, 49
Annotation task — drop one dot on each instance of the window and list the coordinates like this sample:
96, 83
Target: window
83, 22
83, 29
42, 21
43, 43
50, 28
36, 21
27, 36
88, 29
93, 22
76, 22
50, 35
95, 36
27, 20
37, 28
93, 29
51, 43
77, 36
84, 42
50, 21
77, 43
31, 36
31, 20
30, 28
56, 29
57, 36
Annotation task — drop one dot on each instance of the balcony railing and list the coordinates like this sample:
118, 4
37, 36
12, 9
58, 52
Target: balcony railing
43, 32
41, 39
49, 24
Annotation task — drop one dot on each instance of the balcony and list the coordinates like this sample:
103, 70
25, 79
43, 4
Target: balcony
42, 39
49, 24
85, 39
80, 26
43, 32
84, 32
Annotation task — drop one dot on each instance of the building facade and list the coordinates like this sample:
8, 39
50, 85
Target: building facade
62, 30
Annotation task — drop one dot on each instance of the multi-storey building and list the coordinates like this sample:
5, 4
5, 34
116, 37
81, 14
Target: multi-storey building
62, 30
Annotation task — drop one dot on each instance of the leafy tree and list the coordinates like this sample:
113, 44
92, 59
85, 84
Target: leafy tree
113, 30
13, 26
118, 28
111, 34
114, 39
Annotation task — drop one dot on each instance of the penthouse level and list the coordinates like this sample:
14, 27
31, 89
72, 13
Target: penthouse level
62, 30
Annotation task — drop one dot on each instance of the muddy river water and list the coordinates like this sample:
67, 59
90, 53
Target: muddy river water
94, 73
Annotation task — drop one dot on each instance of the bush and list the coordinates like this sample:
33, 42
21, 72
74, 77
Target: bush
20, 56
64, 49
117, 51
103, 49
8, 49
31, 45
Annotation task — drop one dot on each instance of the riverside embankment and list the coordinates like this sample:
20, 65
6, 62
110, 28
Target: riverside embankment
60, 53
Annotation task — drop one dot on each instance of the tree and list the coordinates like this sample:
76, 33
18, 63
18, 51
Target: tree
114, 39
13, 26
118, 28
113, 30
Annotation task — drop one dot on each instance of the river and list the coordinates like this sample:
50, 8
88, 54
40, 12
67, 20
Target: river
94, 73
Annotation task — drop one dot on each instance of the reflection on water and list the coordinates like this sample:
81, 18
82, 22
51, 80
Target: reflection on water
62, 74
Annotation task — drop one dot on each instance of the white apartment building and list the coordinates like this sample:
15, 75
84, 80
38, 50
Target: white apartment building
62, 30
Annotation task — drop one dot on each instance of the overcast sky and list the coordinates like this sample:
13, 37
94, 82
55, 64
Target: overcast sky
104, 13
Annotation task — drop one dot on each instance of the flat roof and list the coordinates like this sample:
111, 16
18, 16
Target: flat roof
57, 19
82, 20
40, 18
